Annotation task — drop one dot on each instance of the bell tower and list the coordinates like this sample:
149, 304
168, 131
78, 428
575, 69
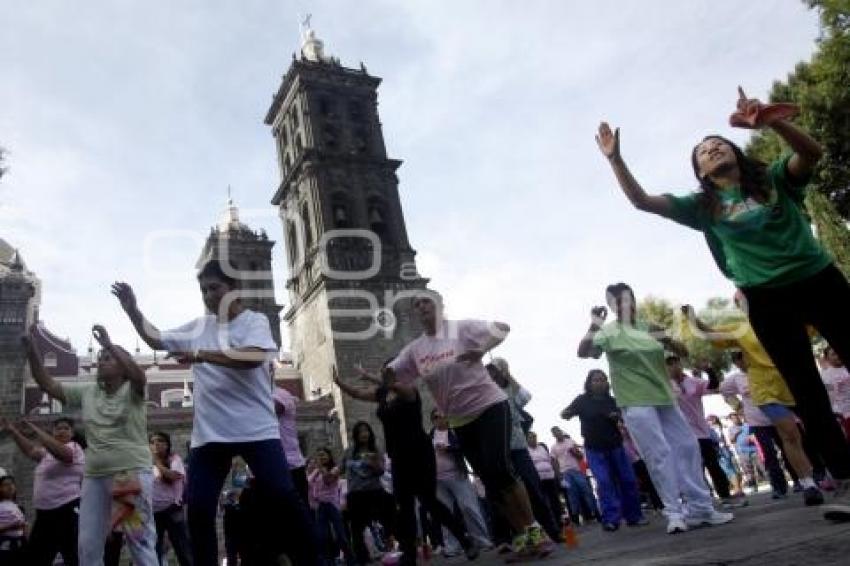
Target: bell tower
352, 270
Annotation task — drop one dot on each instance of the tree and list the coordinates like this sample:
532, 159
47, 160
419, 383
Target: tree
820, 88
664, 313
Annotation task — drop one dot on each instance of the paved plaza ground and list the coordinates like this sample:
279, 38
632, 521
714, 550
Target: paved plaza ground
767, 532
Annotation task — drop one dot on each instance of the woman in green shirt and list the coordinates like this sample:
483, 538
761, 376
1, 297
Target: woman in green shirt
753, 220
642, 391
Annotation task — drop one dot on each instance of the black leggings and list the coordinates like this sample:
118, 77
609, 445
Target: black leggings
779, 316
485, 443
416, 479
55, 532
711, 462
365, 507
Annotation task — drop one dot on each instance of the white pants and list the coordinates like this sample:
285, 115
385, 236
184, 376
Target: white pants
460, 491
96, 519
671, 452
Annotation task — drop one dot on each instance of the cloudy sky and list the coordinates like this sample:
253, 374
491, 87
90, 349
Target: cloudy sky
125, 122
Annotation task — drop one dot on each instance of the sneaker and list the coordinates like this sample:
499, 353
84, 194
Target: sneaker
504, 548
798, 487
711, 519
734, 502
470, 548
610, 527
812, 496
538, 542
836, 512
778, 495
676, 525
642, 522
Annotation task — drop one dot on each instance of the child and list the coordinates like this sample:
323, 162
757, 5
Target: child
12, 525
118, 480
323, 481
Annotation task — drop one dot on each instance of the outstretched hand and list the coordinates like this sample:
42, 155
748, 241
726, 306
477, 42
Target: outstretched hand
124, 293
751, 113
608, 141
101, 335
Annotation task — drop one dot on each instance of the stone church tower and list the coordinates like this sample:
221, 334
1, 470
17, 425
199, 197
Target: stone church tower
251, 253
351, 268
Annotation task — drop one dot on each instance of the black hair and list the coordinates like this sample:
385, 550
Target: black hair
165, 438
10, 478
220, 270
67, 420
736, 355
330, 455
590, 375
753, 178
615, 291
370, 444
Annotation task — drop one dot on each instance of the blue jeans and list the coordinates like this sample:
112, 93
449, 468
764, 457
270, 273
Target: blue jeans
616, 485
329, 520
276, 506
580, 494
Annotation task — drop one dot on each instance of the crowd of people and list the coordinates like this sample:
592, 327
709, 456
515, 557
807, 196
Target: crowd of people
482, 477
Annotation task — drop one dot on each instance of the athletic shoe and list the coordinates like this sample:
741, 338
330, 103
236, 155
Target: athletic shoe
778, 495
710, 519
504, 548
539, 542
798, 487
734, 502
470, 548
676, 525
838, 509
642, 522
812, 496
610, 527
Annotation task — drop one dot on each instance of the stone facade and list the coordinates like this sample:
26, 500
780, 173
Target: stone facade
352, 270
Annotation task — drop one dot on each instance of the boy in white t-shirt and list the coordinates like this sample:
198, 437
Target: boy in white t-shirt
229, 349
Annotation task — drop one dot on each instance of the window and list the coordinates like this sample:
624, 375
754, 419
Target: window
50, 360
378, 220
308, 230
341, 216
290, 242
299, 145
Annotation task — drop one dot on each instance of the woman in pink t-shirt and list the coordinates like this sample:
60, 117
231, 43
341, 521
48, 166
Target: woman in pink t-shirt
546, 470
169, 478
448, 359
56, 490
13, 525
324, 489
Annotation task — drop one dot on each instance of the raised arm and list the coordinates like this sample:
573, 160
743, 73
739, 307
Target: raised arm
668, 342
60, 451
807, 151
496, 336
586, 348
134, 373
362, 394
147, 331
45, 382
609, 144
26, 445
233, 358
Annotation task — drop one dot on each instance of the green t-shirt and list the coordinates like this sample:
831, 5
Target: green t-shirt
115, 426
636, 365
758, 244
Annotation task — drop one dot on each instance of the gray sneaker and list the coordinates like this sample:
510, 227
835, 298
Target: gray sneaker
838, 507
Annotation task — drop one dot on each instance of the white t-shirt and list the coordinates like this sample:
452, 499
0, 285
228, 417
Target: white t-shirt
459, 389
837, 381
739, 384
231, 405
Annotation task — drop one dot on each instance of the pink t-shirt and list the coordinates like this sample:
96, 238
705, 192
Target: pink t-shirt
459, 389
689, 395
288, 429
542, 462
837, 381
164, 494
738, 384
10, 514
565, 458
321, 491
57, 483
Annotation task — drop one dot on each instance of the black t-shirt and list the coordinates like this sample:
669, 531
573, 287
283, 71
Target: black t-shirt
403, 433
598, 428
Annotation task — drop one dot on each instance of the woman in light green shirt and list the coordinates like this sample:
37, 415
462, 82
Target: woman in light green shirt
118, 478
753, 220
664, 439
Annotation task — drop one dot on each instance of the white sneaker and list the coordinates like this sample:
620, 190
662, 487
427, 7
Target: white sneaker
710, 519
676, 525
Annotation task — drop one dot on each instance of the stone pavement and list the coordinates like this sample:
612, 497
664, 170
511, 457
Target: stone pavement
783, 533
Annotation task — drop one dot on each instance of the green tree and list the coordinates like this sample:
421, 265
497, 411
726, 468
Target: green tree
820, 87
